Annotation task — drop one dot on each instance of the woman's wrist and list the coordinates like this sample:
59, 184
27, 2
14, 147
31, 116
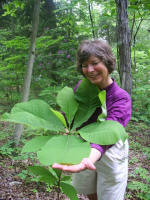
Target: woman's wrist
94, 155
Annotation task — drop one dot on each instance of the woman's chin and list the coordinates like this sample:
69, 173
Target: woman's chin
95, 81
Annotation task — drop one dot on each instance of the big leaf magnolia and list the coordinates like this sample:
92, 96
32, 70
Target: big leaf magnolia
75, 110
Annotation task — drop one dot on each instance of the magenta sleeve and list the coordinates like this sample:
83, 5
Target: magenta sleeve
101, 148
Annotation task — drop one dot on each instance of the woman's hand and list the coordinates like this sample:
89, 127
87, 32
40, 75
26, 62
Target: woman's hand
86, 163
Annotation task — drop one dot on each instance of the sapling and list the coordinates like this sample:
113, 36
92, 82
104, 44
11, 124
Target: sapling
59, 147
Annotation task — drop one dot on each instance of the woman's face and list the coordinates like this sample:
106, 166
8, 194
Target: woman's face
96, 72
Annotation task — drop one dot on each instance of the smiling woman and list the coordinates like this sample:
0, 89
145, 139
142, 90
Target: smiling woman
102, 175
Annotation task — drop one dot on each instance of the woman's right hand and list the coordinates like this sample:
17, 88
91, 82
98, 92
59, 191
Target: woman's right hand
86, 163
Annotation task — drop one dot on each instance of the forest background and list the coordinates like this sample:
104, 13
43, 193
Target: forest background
62, 26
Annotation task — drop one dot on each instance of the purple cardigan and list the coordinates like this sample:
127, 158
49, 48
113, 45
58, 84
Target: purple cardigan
118, 103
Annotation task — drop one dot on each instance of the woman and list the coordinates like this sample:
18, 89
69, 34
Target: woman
103, 175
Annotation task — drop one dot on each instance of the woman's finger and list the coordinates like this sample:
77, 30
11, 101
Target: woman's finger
88, 163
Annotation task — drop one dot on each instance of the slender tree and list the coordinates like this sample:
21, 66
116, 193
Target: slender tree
91, 18
48, 13
124, 45
28, 74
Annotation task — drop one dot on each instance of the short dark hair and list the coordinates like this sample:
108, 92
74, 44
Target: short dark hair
98, 48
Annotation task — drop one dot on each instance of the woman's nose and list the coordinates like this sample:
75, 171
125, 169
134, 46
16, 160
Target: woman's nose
90, 68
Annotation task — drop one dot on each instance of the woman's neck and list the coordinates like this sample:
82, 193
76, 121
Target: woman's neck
108, 82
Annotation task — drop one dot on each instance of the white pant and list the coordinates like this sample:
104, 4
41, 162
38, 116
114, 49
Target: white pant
109, 180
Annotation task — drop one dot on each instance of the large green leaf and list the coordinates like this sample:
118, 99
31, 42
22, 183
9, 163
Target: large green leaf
67, 102
87, 97
69, 190
44, 174
64, 149
103, 133
36, 143
36, 114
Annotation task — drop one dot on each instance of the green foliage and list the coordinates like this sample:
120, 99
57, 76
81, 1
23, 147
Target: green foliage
141, 187
47, 92
87, 97
72, 147
55, 54
141, 90
55, 179
13, 56
69, 190
60, 116
43, 174
36, 143
67, 102
99, 133
38, 115
6, 149
25, 175
146, 151
12, 7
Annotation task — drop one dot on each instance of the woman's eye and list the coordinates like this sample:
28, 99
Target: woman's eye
84, 66
95, 63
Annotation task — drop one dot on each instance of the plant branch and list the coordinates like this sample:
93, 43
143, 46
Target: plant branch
58, 185
133, 23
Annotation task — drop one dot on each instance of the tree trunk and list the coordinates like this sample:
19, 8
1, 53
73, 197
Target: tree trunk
28, 74
50, 16
124, 45
91, 19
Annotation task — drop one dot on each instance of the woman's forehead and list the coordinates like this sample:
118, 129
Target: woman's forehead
91, 59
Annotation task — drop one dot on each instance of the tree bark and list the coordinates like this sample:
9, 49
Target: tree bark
28, 74
124, 45
91, 19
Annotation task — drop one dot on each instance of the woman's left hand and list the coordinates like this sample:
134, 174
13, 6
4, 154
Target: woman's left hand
86, 163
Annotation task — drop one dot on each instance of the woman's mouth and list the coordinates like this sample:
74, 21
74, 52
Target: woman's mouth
92, 76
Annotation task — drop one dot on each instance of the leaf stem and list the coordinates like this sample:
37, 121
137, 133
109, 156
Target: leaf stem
58, 185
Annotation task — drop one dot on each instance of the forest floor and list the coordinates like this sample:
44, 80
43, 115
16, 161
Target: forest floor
16, 184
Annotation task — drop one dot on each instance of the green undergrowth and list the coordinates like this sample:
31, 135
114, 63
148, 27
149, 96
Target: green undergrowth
139, 159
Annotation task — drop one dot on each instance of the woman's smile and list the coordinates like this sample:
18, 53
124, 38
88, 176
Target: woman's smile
93, 75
